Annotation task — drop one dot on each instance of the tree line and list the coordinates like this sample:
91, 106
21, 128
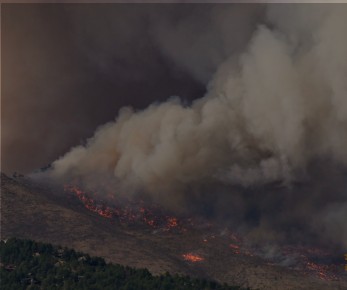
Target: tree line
26, 264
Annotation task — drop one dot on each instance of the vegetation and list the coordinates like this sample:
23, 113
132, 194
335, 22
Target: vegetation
26, 264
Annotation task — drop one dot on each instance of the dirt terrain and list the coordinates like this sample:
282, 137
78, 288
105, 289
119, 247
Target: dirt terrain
31, 210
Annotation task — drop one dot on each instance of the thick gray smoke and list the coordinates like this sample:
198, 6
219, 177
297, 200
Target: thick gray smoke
269, 113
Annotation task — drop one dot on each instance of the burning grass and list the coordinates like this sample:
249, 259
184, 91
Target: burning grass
128, 212
192, 258
306, 260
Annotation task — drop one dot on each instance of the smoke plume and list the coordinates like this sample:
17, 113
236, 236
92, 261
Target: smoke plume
269, 136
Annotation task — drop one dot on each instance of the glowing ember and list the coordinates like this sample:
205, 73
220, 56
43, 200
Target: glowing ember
192, 257
172, 222
307, 260
130, 213
235, 248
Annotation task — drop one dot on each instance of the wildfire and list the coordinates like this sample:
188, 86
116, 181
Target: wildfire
152, 216
126, 214
235, 248
172, 222
305, 257
320, 270
192, 257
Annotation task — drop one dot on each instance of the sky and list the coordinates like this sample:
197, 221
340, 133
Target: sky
68, 68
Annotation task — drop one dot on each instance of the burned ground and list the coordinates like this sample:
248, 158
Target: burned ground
39, 212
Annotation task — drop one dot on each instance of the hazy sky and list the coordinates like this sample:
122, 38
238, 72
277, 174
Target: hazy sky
68, 68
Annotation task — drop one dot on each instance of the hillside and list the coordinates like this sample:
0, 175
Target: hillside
44, 266
37, 212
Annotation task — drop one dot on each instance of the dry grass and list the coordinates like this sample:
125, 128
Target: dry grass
39, 213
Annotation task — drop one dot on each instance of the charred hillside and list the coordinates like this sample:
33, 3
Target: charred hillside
45, 213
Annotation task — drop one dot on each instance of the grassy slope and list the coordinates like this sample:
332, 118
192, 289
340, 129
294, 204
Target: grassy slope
29, 211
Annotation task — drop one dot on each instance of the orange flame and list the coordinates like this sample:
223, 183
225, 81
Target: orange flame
125, 214
192, 257
154, 218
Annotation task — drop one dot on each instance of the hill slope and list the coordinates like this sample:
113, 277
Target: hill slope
44, 266
33, 211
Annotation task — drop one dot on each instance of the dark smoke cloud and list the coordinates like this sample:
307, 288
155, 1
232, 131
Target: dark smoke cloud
255, 122
264, 147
